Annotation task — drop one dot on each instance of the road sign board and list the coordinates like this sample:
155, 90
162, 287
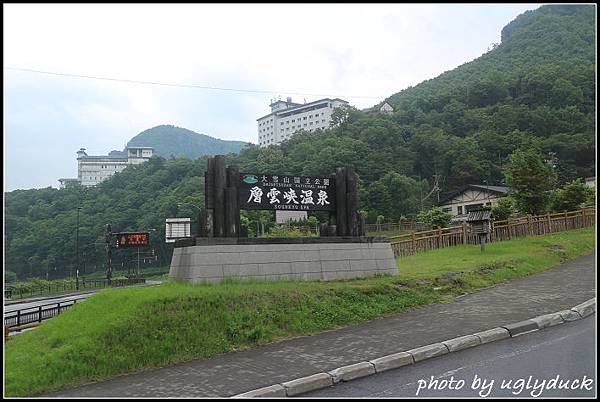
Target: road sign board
132, 239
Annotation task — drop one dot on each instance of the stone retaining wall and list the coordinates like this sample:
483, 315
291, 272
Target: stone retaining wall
327, 261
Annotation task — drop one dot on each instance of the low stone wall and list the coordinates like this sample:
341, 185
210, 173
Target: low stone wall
310, 261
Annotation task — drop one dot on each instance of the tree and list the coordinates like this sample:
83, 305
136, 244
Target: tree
573, 195
504, 209
530, 180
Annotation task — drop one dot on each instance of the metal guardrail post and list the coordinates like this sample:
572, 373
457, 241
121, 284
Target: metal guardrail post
18, 318
40, 314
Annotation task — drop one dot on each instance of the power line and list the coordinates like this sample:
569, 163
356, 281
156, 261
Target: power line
188, 85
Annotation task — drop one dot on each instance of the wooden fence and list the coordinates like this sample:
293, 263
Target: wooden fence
416, 242
394, 227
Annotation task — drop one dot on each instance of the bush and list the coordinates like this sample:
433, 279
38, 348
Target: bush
573, 195
435, 217
284, 231
504, 209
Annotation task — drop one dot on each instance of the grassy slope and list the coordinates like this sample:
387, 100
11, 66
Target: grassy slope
124, 330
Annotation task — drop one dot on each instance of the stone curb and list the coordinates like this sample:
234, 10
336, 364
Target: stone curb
352, 372
586, 308
392, 361
521, 327
306, 384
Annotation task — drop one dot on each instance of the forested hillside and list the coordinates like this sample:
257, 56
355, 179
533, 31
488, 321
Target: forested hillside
40, 225
535, 89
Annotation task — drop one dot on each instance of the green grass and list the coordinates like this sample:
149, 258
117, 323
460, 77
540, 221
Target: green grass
124, 330
145, 272
542, 251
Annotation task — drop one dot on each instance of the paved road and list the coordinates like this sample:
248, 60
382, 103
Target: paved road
33, 303
566, 350
556, 289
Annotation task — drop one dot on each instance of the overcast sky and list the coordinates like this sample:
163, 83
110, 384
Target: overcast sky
361, 53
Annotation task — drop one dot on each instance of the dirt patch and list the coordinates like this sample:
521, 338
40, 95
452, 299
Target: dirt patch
487, 268
560, 250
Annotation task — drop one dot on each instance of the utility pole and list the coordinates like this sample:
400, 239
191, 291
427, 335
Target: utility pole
108, 253
77, 252
436, 188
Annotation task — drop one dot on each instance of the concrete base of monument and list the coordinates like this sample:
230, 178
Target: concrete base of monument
274, 259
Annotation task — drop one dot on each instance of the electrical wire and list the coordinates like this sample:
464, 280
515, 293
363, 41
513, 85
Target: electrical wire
188, 85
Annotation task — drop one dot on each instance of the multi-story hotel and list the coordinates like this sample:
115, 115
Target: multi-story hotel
287, 117
92, 170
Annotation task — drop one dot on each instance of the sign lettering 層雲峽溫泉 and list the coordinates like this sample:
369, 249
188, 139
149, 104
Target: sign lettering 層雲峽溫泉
284, 192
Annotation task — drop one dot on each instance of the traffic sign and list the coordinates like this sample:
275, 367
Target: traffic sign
132, 239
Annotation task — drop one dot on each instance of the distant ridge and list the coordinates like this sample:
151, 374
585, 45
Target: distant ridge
168, 140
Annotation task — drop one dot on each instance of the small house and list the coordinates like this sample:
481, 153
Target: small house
470, 198
386, 108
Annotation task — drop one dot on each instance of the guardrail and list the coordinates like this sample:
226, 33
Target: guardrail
416, 242
18, 293
19, 318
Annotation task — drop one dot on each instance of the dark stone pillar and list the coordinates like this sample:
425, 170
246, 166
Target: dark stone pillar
209, 196
202, 227
231, 228
351, 201
340, 199
361, 225
219, 197
232, 209
323, 229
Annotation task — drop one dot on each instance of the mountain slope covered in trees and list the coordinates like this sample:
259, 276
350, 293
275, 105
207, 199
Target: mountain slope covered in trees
535, 89
170, 141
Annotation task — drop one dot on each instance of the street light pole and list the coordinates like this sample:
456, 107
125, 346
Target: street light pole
77, 252
200, 220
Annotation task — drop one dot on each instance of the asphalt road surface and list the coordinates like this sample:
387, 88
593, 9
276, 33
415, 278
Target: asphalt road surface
14, 306
567, 351
34, 304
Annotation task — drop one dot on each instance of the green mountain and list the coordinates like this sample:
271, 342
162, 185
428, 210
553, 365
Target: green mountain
547, 57
535, 89
170, 141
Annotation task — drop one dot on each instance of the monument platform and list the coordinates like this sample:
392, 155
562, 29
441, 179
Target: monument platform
210, 260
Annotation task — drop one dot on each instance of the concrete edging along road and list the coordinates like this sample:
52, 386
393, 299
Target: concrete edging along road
363, 369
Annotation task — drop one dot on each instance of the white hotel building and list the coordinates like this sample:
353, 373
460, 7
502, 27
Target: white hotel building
92, 170
287, 117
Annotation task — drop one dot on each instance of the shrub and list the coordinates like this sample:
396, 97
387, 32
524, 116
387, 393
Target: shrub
435, 217
573, 195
